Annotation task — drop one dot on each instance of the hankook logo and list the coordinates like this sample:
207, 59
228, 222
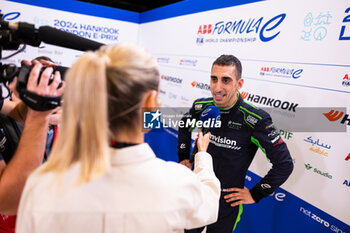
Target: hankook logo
333, 115
276, 103
171, 79
202, 86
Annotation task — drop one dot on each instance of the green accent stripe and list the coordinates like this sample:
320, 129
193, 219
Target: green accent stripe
245, 118
256, 142
204, 101
240, 211
191, 129
254, 114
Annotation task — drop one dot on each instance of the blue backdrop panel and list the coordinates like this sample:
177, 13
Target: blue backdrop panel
163, 143
300, 217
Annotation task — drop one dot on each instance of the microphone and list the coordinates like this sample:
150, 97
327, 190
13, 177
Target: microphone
61, 38
209, 117
26, 33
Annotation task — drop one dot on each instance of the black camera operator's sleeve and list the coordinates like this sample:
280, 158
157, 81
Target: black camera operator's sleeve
1, 103
3, 143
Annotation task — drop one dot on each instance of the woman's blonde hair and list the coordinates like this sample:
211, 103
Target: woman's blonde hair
103, 93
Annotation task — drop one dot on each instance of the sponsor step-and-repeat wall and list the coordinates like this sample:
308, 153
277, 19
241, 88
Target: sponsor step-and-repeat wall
295, 66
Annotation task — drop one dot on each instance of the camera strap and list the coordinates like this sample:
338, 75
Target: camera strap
38, 102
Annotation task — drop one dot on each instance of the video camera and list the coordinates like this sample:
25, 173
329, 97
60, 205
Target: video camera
40, 103
12, 35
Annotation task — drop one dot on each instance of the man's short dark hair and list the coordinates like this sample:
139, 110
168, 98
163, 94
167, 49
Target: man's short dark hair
43, 58
229, 60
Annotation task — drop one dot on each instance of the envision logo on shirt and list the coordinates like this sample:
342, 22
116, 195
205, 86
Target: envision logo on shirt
224, 142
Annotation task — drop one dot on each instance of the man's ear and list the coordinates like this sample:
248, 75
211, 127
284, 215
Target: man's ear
151, 100
240, 83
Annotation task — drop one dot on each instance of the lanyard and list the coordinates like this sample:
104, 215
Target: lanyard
119, 145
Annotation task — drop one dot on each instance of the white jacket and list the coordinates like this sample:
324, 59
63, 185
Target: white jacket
141, 193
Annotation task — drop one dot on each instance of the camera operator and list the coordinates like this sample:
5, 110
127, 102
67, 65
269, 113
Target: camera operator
30, 151
54, 117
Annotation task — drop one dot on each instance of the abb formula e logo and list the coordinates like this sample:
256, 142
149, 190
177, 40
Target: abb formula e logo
281, 72
188, 62
204, 29
240, 30
333, 115
346, 81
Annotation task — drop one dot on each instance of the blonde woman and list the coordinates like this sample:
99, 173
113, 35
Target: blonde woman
88, 185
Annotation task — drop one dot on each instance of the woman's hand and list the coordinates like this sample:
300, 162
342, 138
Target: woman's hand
203, 141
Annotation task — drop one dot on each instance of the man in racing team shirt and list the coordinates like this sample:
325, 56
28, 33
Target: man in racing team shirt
244, 129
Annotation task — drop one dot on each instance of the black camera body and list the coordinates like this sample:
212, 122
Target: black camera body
34, 101
40, 103
24, 71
